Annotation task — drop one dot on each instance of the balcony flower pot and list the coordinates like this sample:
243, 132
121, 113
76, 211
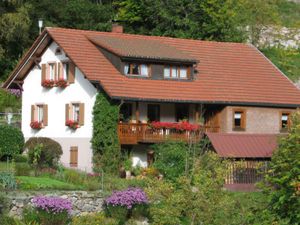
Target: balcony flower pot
72, 124
48, 83
36, 125
62, 83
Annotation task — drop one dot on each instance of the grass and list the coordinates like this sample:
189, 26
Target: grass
44, 183
287, 60
289, 13
4, 166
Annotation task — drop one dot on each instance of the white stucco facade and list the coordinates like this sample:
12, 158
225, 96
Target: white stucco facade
56, 98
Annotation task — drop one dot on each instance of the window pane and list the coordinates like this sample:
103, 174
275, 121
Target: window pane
51, 72
153, 113
174, 72
167, 71
40, 113
65, 71
284, 117
126, 69
182, 112
237, 122
76, 112
237, 115
183, 72
126, 112
135, 69
144, 70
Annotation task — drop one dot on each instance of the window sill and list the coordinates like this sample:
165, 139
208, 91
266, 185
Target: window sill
238, 129
284, 130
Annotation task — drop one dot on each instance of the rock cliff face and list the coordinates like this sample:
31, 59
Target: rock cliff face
83, 202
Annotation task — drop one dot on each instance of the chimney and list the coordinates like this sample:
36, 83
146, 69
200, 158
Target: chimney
116, 28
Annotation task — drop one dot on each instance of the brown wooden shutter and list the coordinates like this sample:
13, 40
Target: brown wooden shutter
189, 72
55, 72
43, 73
32, 113
67, 112
81, 114
45, 114
59, 71
71, 77
243, 120
74, 156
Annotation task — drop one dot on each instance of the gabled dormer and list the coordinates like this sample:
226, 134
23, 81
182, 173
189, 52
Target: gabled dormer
148, 59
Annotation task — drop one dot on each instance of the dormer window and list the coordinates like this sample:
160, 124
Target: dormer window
176, 72
136, 69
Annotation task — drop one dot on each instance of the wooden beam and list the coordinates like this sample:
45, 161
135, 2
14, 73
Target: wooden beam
197, 113
137, 112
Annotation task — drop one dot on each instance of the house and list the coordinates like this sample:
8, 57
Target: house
227, 88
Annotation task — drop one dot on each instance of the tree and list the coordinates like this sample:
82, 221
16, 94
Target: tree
282, 182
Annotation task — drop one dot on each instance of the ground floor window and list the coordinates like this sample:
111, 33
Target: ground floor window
153, 112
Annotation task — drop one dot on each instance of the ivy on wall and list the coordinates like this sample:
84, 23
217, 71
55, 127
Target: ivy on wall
105, 142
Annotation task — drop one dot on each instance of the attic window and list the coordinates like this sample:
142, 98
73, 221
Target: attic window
137, 69
176, 72
58, 51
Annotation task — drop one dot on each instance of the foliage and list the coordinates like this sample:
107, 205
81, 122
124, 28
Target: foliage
94, 219
9, 101
289, 12
4, 204
43, 152
7, 181
11, 141
105, 142
170, 158
128, 164
287, 60
22, 169
20, 158
44, 183
283, 178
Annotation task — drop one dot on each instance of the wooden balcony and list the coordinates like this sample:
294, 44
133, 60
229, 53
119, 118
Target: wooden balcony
134, 133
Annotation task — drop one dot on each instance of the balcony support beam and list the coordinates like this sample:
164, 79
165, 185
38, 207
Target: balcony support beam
137, 112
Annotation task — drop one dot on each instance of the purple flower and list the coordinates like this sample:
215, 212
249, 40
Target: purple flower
16, 92
127, 198
53, 205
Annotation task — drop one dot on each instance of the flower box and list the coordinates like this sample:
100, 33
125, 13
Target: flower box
48, 83
36, 125
72, 124
181, 126
61, 83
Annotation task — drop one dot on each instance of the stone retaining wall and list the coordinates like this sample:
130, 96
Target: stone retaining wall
83, 202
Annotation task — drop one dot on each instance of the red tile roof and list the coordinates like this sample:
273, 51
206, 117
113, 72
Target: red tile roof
228, 72
243, 145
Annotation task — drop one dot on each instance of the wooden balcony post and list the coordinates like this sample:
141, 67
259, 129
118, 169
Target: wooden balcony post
137, 112
197, 113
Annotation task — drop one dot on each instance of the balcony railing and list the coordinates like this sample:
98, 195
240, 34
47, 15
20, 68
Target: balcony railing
133, 133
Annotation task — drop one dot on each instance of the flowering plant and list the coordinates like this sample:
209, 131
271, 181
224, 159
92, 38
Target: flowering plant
127, 198
54, 205
48, 83
94, 174
177, 126
36, 125
72, 124
61, 83
16, 92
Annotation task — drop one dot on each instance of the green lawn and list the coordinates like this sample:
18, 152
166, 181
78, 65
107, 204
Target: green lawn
44, 183
4, 166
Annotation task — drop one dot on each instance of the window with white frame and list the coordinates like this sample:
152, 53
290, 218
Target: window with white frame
65, 70
75, 112
136, 69
176, 72
40, 113
52, 71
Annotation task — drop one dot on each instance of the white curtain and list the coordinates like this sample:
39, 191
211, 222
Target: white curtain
167, 71
237, 116
126, 67
284, 117
144, 70
183, 72
174, 72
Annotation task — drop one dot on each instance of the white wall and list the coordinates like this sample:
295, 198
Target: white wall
56, 98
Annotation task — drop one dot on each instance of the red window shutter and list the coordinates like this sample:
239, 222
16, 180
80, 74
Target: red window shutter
81, 114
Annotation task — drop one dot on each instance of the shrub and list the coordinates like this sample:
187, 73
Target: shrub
121, 203
50, 151
283, 181
94, 219
22, 169
170, 159
52, 210
11, 141
4, 204
8, 181
20, 158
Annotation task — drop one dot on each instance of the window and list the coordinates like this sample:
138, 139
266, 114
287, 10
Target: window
65, 70
39, 114
52, 71
284, 121
137, 69
75, 113
126, 112
239, 119
74, 156
179, 72
182, 112
153, 112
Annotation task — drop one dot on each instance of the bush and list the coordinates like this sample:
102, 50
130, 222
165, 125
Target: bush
22, 169
20, 158
4, 204
170, 159
50, 151
94, 219
51, 210
11, 141
121, 204
7, 181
